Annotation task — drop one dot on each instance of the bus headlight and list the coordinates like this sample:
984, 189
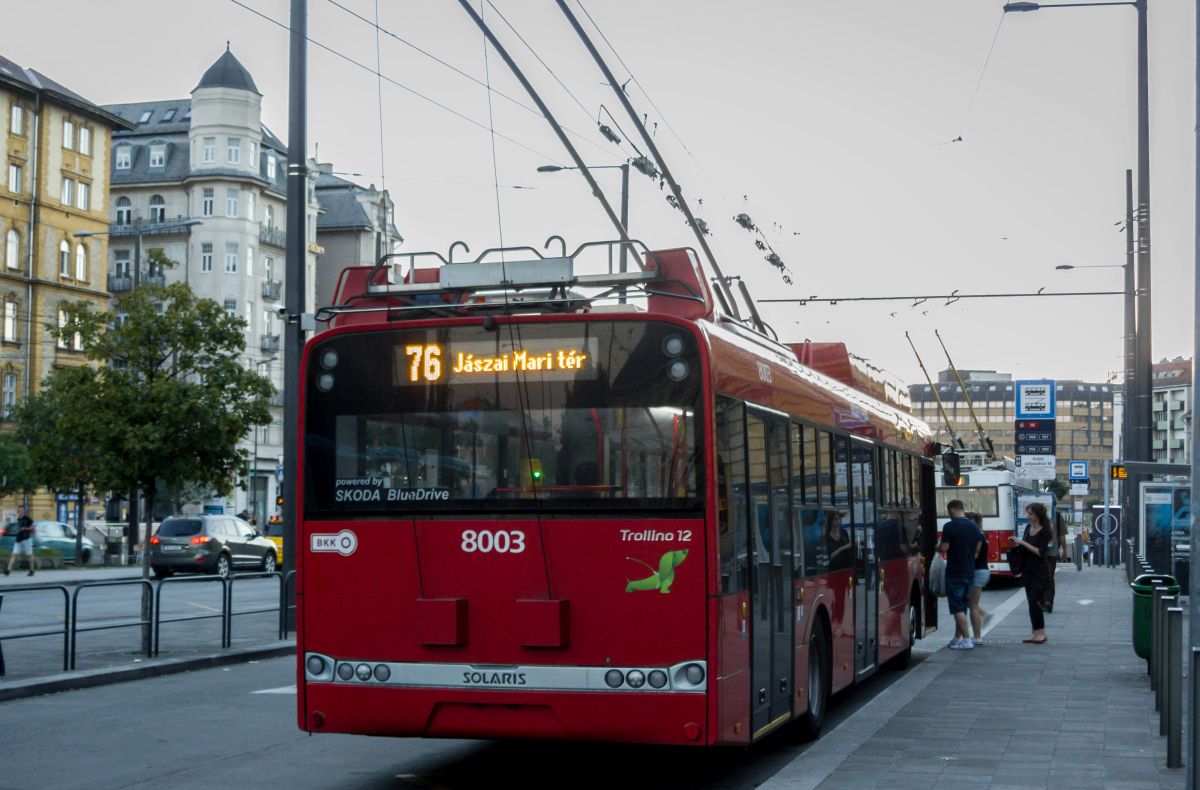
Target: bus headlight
678, 370
636, 678
325, 382
345, 671
657, 679
672, 345
315, 665
363, 671
614, 678
329, 359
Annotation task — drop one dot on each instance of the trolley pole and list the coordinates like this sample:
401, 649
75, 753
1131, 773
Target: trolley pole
294, 301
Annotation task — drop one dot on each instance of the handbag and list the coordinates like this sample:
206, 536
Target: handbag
937, 576
1016, 560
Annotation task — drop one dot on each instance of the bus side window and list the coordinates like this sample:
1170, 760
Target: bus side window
825, 468
731, 493
812, 466
798, 542
812, 531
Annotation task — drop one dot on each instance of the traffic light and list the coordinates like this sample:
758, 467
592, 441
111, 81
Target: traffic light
951, 469
1117, 472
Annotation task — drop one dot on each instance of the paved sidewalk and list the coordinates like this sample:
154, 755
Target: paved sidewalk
1076, 712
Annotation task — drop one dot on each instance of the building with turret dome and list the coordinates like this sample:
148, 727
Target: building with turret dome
203, 180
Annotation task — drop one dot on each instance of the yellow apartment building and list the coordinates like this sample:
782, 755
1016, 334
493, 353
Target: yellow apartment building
54, 150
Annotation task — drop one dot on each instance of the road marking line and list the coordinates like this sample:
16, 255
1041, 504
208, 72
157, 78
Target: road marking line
280, 690
202, 606
1002, 611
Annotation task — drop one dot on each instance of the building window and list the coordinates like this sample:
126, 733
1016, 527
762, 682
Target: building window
64, 258
121, 263
81, 267
68, 192
124, 211
62, 324
12, 249
85, 140
253, 146
270, 216
158, 209
268, 267
209, 150
10, 320
231, 307
231, 203
68, 134
14, 178
271, 164
16, 121
249, 261
10, 394
230, 258
233, 150
206, 202
145, 116
158, 155
206, 254
250, 213
168, 115
83, 197
124, 157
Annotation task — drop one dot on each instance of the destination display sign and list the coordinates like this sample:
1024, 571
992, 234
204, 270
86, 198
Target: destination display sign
1035, 437
504, 359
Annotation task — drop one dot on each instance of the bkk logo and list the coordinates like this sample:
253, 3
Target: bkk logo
344, 543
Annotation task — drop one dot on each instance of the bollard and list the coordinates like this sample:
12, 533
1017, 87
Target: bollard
1151, 665
1174, 688
1159, 658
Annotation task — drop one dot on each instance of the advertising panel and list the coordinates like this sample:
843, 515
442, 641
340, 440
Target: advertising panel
1166, 514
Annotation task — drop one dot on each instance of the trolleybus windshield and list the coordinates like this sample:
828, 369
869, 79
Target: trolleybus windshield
983, 500
553, 416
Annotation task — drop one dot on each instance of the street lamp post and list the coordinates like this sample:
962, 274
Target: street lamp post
624, 168
1139, 446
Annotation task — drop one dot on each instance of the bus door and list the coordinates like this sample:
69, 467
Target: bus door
771, 559
866, 564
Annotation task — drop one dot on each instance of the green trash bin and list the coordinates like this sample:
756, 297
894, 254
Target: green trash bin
1143, 599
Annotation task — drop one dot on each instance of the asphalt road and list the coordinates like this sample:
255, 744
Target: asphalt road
235, 727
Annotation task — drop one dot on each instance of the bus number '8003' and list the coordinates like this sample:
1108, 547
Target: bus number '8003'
500, 541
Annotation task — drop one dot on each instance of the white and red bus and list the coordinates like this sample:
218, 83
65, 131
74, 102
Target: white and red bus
990, 488
528, 514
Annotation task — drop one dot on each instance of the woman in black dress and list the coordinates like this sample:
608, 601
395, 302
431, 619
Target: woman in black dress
1035, 575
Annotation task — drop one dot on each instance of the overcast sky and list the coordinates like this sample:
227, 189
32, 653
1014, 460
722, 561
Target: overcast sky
828, 122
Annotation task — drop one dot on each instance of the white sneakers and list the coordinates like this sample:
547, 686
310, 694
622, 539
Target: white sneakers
958, 643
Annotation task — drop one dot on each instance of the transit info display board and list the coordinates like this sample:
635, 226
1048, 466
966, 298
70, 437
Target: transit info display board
1034, 430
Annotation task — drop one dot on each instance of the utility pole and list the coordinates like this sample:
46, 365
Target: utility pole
1193, 656
1127, 421
1142, 445
294, 301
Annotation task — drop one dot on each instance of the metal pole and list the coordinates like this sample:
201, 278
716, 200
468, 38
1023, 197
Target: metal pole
1174, 712
1193, 740
1130, 351
1155, 623
134, 517
294, 292
1107, 505
1143, 364
625, 214
1166, 603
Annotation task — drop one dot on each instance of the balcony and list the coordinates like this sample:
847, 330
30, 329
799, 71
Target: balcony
168, 226
1161, 425
157, 280
1159, 405
271, 289
270, 344
275, 237
120, 283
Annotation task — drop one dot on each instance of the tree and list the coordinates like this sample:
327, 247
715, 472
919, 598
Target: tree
169, 400
65, 427
1058, 488
15, 475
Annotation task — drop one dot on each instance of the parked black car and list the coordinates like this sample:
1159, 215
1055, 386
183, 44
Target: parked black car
209, 544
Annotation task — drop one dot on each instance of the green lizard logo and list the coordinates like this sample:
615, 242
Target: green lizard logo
664, 577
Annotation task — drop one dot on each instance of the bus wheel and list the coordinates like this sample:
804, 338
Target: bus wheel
901, 660
808, 726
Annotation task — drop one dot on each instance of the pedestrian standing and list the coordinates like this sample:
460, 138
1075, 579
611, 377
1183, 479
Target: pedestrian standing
1054, 552
1086, 536
960, 541
23, 543
980, 580
1033, 571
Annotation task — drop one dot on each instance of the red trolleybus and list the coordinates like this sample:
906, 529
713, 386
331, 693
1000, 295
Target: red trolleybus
525, 513
990, 488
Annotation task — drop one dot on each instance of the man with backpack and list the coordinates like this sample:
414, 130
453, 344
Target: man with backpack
23, 543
